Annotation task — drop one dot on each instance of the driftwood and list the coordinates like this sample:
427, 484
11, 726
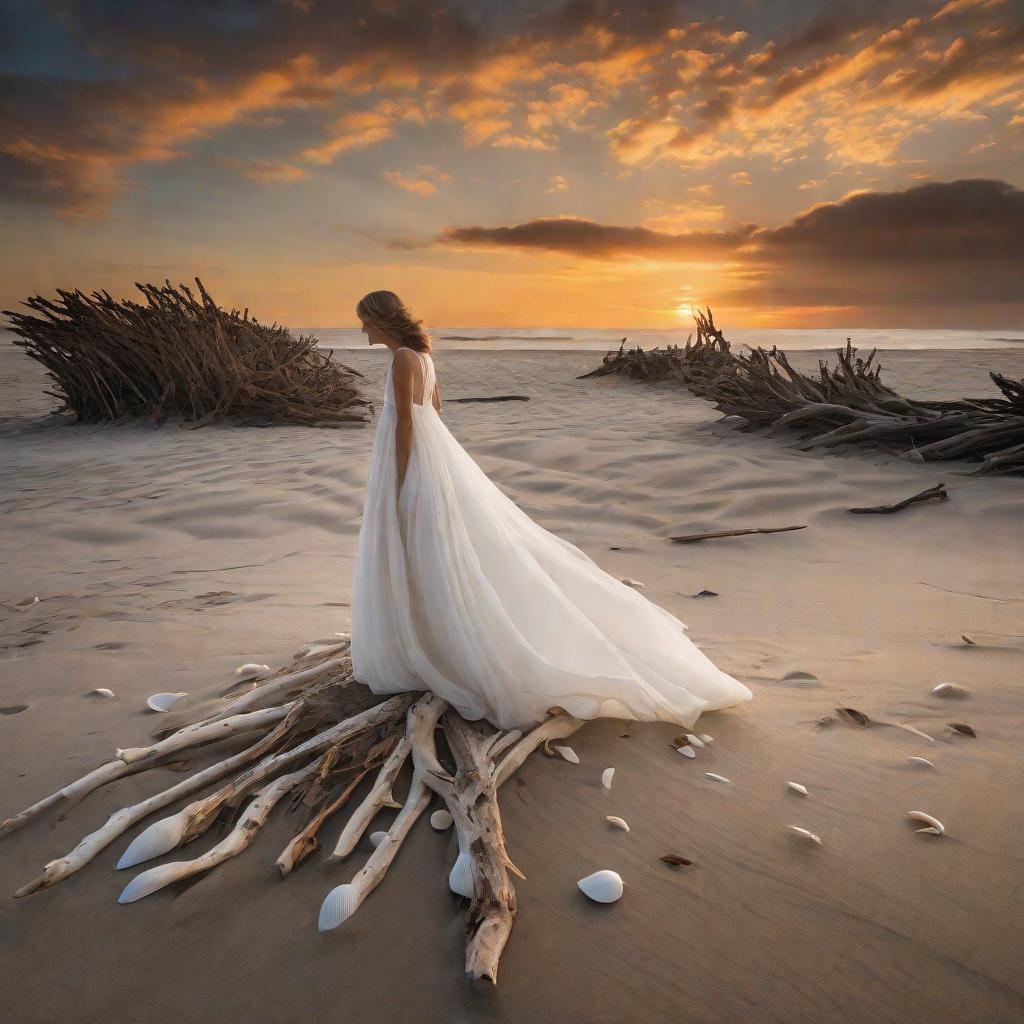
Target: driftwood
180, 356
317, 731
494, 398
936, 493
845, 404
692, 538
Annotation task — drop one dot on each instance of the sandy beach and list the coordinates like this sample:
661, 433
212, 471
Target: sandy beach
162, 559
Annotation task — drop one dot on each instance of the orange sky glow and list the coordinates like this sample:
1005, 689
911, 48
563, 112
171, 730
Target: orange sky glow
528, 164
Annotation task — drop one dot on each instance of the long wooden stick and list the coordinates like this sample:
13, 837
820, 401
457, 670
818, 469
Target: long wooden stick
694, 537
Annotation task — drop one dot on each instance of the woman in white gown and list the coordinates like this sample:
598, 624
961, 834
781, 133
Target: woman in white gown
459, 592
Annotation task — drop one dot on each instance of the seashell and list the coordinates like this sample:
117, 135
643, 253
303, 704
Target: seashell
920, 762
695, 741
149, 882
935, 827
797, 787
441, 820
635, 584
717, 778
854, 717
35, 600
460, 878
376, 838
687, 751
962, 729
602, 886
706, 738
617, 822
805, 833
161, 837
950, 690
568, 753
606, 777
164, 701
969, 640
675, 860
102, 692
705, 593
250, 669
341, 903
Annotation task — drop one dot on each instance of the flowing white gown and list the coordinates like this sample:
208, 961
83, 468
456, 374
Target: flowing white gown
458, 591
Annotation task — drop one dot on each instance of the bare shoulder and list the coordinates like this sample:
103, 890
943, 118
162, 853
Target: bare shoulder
404, 362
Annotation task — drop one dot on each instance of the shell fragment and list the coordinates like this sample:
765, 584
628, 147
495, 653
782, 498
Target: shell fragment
935, 827
806, 833
163, 702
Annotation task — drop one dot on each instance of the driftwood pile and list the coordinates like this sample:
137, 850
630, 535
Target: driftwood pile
844, 404
182, 356
313, 734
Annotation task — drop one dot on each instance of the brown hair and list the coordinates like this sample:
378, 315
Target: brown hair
388, 312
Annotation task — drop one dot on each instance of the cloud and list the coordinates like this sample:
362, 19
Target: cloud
586, 238
935, 244
266, 171
148, 83
418, 186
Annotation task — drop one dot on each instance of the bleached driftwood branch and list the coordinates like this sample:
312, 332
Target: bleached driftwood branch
329, 729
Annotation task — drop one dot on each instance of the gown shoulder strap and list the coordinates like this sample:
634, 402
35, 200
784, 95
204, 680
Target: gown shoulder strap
427, 378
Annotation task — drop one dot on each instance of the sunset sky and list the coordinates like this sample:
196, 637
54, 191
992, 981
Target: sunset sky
523, 164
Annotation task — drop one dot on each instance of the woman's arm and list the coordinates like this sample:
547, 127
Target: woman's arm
403, 381
436, 397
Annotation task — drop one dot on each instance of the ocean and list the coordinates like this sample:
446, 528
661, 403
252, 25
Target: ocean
603, 339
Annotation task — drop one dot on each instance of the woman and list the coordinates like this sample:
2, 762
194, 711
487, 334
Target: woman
458, 591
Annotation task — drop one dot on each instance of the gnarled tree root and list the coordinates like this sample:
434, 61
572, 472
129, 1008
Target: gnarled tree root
317, 731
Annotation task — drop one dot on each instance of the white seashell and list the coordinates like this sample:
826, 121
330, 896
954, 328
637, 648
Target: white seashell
441, 820
161, 837
606, 777
101, 692
687, 751
341, 903
460, 878
805, 833
950, 690
376, 838
635, 584
695, 740
149, 882
934, 825
35, 600
797, 787
602, 886
921, 762
717, 778
251, 668
617, 822
164, 701
568, 753
344, 636
706, 738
